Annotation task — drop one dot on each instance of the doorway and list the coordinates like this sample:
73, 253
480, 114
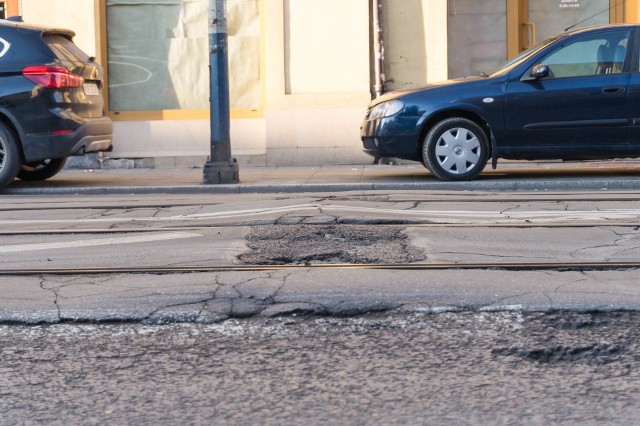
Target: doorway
543, 19
482, 35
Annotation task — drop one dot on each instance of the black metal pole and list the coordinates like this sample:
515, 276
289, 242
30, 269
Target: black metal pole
220, 168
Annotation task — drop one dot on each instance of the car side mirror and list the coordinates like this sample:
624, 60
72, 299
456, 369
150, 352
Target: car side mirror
540, 71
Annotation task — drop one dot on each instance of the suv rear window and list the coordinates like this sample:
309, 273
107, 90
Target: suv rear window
64, 48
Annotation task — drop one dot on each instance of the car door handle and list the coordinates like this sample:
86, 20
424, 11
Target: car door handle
610, 90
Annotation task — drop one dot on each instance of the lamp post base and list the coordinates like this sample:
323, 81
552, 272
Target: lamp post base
221, 172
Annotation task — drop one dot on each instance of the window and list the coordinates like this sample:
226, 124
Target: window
158, 54
592, 55
64, 48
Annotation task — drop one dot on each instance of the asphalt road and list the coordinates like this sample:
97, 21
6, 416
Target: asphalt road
448, 368
307, 231
309, 341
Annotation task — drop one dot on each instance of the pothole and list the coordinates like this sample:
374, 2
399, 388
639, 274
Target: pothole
597, 354
592, 338
327, 244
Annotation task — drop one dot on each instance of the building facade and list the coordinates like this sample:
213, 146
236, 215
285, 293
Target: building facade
301, 72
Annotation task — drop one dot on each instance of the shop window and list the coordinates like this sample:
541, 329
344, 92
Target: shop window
158, 54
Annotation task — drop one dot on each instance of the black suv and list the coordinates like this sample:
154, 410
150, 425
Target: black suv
51, 105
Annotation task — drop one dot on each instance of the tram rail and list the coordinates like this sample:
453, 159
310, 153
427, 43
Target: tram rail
502, 266
404, 224
484, 198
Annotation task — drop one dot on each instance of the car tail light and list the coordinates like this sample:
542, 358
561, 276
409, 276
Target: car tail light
52, 77
61, 132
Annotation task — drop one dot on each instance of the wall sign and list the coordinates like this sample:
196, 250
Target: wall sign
569, 4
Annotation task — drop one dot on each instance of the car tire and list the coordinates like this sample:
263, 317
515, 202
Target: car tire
41, 170
9, 156
455, 149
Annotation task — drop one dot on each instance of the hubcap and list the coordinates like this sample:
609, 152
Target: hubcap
3, 154
458, 150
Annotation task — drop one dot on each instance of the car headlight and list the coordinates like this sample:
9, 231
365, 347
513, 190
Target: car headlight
386, 109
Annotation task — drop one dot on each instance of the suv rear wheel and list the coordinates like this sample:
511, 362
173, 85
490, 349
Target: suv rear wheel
41, 170
9, 156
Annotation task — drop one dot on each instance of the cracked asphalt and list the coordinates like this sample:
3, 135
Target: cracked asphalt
310, 340
448, 368
214, 297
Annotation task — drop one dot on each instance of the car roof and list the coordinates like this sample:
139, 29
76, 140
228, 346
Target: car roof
571, 31
37, 28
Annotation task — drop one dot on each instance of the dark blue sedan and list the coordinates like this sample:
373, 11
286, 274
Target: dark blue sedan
572, 97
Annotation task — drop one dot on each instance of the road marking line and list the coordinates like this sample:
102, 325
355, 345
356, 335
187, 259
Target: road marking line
97, 242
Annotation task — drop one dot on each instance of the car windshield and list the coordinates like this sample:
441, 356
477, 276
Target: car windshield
508, 66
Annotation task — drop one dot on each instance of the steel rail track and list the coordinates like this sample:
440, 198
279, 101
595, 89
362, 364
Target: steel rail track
502, 266
78, 231
436, 199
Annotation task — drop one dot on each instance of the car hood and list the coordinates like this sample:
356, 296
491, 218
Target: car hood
399, 93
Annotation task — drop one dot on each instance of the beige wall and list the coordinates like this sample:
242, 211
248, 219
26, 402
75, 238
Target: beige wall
317, 81
326, 46
415, 42
77, 15
326, 60
436, 40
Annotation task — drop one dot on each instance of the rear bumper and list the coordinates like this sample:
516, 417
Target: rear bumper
93, 135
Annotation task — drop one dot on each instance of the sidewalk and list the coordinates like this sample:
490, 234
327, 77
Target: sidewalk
509, 176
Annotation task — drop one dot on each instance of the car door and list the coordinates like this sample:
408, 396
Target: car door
578, 110
634, 101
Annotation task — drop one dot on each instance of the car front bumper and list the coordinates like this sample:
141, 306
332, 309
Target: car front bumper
396, 136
